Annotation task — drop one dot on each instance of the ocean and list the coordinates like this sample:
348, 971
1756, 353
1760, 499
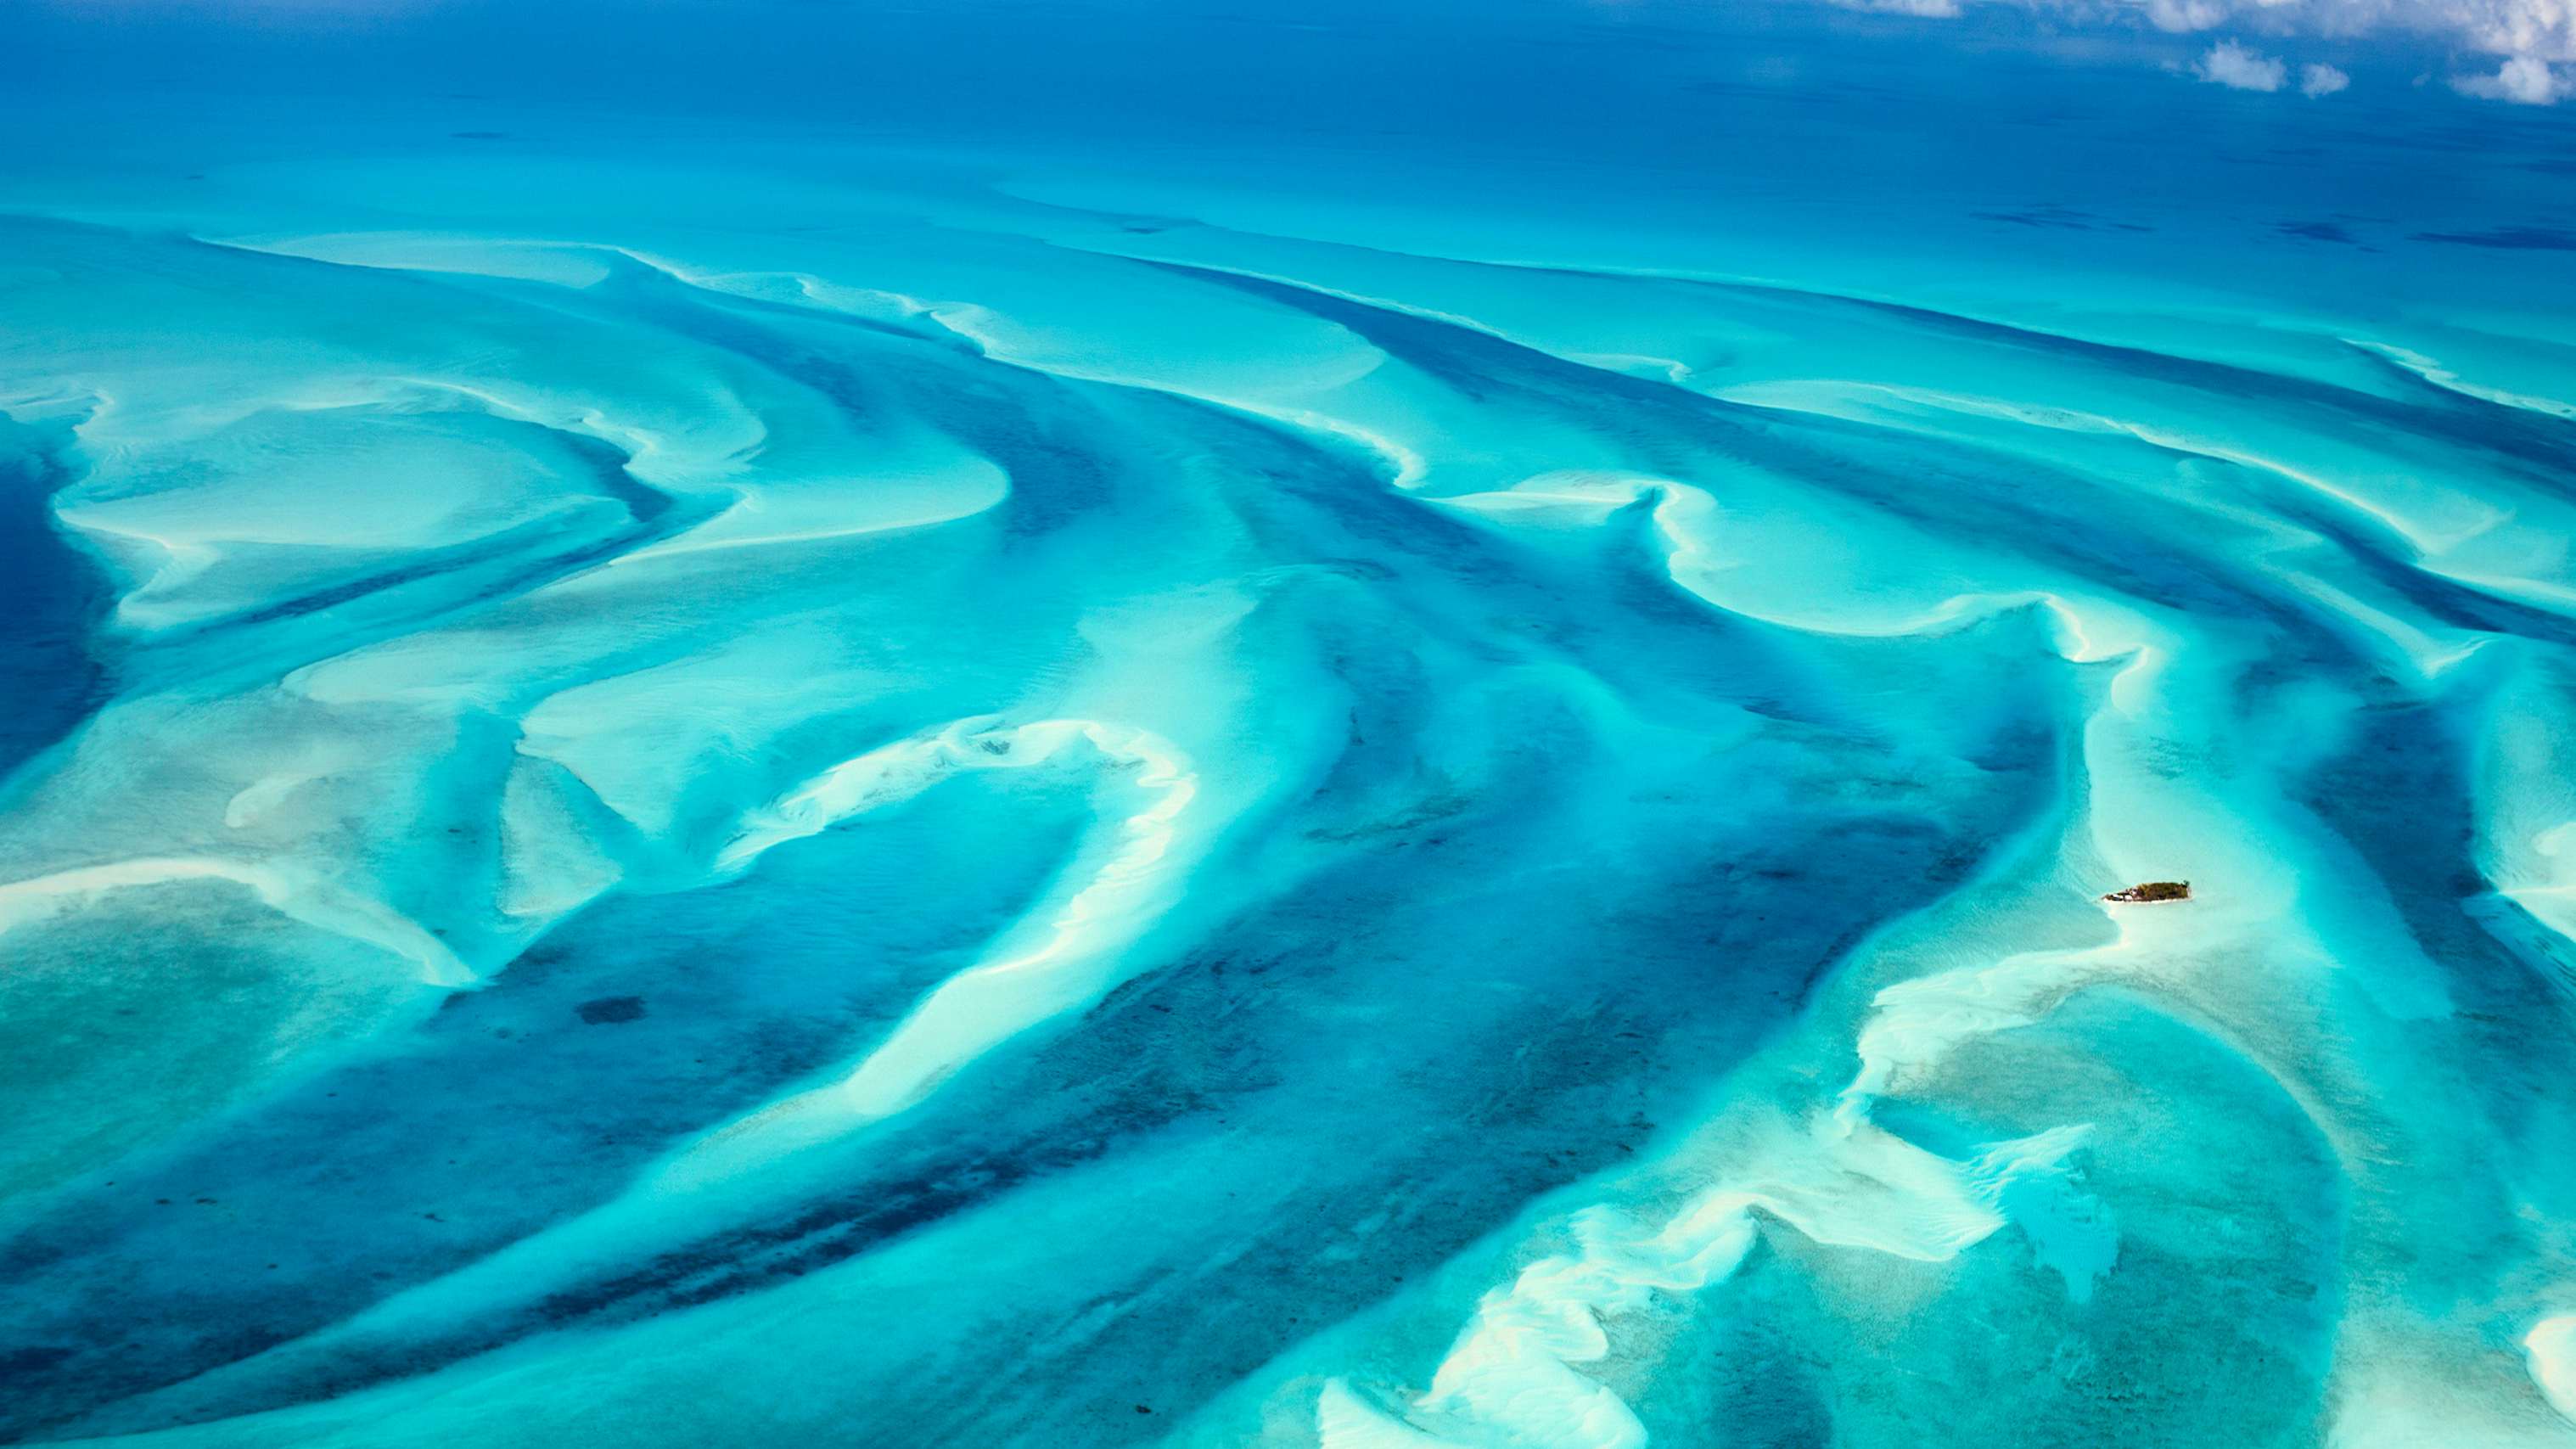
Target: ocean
1085, 724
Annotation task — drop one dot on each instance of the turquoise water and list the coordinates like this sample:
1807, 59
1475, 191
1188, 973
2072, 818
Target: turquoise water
1033, 726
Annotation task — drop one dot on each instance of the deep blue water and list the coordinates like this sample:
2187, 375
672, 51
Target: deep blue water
52, 597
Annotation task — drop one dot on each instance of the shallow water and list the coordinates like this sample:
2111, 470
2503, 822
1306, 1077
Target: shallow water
1083, 765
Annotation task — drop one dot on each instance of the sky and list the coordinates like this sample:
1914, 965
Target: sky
2508, 51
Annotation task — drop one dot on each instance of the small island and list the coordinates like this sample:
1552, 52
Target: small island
2152, 891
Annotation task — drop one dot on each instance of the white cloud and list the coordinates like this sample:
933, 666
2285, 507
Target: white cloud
2186, 15
2525, 80
2532, 42
2233, 66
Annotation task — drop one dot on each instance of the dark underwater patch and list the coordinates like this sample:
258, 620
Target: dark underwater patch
2507, 238
51, 597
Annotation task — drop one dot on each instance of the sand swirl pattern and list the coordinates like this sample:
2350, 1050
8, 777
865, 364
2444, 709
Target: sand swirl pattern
997, 818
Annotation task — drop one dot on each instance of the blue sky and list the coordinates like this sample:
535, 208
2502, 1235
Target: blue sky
2509, 51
